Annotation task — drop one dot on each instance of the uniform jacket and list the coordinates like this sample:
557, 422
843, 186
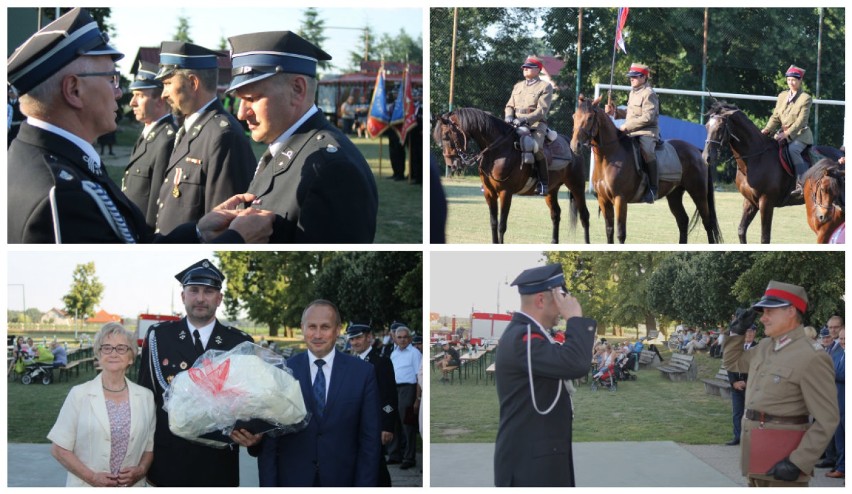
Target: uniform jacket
792, 117
320, 187
532, 449
178, 462
388, 397
643, 112
530, 102
734, 376
343, 446
793, 381
38, 161
214, 161
840, 382
147, 167
83, 427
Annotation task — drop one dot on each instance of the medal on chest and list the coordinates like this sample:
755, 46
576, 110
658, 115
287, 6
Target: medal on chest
175, 189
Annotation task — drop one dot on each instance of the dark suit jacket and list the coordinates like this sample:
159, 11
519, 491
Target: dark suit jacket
178, 462
320, 187
144, 174
40, 162
533, 449
215, 161
389, 398
342, 447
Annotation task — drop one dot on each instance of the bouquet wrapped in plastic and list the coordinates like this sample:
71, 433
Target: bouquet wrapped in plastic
247, 387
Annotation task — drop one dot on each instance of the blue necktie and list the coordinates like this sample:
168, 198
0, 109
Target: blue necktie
319, 387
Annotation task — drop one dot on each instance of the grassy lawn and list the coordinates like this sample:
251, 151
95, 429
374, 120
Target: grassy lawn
652, 408
400, 216
468, 220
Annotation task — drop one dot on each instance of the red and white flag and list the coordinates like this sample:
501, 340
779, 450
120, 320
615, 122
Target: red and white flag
619, 30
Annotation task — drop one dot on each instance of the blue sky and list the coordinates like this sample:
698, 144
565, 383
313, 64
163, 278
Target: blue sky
149, 26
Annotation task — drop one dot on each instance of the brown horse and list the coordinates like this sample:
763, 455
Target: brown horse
825, 198
502, 170
760, 177
617, 181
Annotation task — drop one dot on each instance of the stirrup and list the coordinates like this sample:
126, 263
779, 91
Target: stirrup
650, 196
541, 188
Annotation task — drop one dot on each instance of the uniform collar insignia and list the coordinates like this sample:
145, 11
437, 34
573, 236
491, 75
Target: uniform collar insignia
182, 334
218, 339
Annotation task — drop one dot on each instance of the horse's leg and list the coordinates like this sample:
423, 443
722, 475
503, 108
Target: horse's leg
749, 211
675, 199
505, 204
620, 206
552, 201
491, 201
609, 217
578, 206
766, 212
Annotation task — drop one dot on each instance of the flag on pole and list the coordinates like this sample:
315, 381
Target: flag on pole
398, 113
409, 110
378, 119
619, 34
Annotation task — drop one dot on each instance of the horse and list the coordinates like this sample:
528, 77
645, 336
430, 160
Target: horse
824, 186
502, 170
761, 179
617, 180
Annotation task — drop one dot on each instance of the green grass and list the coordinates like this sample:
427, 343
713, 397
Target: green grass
400, 215
468, 220
652, 408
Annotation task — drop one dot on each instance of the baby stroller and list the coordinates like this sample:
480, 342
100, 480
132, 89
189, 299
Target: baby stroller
604, 378
624, 367
37, 371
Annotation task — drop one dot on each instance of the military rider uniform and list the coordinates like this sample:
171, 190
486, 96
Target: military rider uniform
788, 382
169, 349
530, 101
641, 120
533, 446
791, 114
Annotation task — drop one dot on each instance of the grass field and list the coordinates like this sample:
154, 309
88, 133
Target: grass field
400, 215
468, 220
652, 408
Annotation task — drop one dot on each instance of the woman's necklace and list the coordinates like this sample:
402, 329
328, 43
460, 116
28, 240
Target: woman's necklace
115, 390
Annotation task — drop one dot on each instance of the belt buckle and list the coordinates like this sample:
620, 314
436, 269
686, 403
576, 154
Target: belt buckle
762, 419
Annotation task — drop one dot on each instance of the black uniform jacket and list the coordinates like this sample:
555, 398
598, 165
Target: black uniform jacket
211, 162
387, 389
178, 462
533, 449
147, 167
42, 164
320, 187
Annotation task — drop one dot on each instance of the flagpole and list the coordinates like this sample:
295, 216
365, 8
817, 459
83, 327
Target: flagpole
612, 68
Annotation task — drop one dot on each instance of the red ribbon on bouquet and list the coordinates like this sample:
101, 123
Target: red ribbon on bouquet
212, 378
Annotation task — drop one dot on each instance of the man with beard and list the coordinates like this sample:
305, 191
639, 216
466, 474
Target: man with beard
173, 347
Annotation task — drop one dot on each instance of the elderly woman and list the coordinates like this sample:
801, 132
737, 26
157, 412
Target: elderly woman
104, 435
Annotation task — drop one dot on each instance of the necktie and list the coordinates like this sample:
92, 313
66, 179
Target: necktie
264, 160
180, 133
199, 348
319, 387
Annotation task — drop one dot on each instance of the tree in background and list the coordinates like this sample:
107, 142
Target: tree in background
182, 32
85, 292
312, 29
364, 49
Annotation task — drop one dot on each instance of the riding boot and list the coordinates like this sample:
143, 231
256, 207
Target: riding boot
797, 194
651, 193
541, 188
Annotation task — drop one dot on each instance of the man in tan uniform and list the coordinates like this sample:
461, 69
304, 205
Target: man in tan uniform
791, 114
641, 120
530, 102
789, 381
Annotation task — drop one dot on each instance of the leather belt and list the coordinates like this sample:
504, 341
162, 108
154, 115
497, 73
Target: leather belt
774, 419
399, 385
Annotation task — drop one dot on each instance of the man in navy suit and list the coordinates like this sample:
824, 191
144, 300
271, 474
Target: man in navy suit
341, 444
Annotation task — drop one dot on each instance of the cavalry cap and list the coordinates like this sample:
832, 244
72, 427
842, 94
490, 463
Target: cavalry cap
146, 77
532, 62
396, 325
54, 46
637, 69
539, 279
256, 56
201, 273
796, 72
824, 332
357, 329
781, 295
176, 55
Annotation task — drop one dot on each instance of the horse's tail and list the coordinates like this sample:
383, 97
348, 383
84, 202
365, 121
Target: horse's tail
573, 213
715, 232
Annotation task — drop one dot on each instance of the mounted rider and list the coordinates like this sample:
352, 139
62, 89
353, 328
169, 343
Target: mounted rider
641, 120
528, 105
791, 114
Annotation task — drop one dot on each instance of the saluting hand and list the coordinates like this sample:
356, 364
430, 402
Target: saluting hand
568, 305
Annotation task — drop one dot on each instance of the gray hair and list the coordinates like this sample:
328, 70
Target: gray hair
325, 303
37, 101
114, 328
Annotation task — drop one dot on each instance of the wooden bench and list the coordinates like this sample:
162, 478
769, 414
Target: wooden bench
450, 370
435, 358
70, 366
718, 385
680, 368
647, 359
489, 372
287, 352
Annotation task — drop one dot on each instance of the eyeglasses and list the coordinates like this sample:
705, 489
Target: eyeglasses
116, 80
121, 349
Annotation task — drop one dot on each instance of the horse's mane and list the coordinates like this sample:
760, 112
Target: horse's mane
822, 167
474, 118
720, 106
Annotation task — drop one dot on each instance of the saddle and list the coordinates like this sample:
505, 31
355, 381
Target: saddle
557, 149
786, 158
668, 163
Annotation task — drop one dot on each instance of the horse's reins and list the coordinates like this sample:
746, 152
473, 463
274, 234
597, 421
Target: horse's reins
729, 133
468, 159
829, 207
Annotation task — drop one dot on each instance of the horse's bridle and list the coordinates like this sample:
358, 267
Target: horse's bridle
466, 158
829, 205
728, 134
592, 130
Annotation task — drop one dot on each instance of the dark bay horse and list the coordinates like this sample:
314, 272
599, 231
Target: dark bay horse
501, 169
617, 180
825, 198
761, 180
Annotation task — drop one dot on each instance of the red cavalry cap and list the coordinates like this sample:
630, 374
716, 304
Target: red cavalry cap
638, 69
783, 294
532, 62
796, 72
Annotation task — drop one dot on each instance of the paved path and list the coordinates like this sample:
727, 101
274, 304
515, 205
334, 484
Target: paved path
610, 464
31, 465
